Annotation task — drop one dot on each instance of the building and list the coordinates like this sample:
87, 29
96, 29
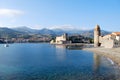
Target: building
97, 35
60, 39
108, 41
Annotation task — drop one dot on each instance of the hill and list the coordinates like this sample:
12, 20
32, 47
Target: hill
23, 31
9, 33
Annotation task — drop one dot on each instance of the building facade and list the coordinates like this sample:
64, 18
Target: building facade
108, 41
61, 39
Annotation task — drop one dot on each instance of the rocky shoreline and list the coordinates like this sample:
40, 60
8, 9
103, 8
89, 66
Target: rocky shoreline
112, 53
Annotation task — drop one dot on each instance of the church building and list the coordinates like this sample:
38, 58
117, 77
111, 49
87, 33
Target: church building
108, 41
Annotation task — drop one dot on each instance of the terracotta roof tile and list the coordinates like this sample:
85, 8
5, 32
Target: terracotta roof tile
116, 33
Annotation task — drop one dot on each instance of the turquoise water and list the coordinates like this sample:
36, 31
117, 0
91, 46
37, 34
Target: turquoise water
43, 61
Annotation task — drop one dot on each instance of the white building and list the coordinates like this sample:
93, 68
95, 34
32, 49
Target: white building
60, 40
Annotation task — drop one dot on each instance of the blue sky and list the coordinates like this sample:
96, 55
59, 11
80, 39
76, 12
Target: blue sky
65, 14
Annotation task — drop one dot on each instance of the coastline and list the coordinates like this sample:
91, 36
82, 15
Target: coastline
112, 53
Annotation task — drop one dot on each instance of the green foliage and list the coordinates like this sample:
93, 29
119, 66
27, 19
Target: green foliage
76, 39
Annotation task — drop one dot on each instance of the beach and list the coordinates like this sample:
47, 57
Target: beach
112, 53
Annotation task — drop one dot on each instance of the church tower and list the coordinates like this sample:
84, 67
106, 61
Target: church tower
65, 36
97, 33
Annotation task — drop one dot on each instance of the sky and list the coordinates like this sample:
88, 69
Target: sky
65, 14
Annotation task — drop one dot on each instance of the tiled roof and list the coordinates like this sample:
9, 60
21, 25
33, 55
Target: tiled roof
116, 33
109, 35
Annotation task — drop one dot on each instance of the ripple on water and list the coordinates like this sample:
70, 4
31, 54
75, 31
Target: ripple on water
48, 62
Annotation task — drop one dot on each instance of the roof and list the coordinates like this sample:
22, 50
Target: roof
97, 27
110, 34
116, 33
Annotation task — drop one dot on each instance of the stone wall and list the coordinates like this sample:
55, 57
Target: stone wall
60, 38
108, 43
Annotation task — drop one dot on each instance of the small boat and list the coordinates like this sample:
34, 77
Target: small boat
6, 45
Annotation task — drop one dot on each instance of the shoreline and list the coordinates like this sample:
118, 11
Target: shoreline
112, 53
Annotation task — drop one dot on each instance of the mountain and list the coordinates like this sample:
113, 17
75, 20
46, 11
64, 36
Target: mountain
25, 29
9, 33
21, 31
33, 31
46, 31
85, 33
90, 33
58, 31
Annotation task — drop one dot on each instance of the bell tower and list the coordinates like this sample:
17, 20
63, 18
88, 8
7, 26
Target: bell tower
65, 36
97, 34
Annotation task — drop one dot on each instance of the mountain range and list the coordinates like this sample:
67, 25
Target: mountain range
23, 30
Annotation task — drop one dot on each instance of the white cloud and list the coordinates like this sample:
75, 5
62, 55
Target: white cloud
69, 27
63, 27
10, 12
37, 27
1, 24
9, 16
84, 28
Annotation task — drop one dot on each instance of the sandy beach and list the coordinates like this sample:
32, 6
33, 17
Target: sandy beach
112, 53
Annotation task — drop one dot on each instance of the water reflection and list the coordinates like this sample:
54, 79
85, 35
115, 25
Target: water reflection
74, 47
69, 47
104, 67
60, 52
45, 62
96, 62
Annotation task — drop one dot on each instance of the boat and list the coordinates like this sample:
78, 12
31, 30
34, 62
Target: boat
6, 45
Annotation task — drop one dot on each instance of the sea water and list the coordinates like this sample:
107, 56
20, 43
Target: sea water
42, 61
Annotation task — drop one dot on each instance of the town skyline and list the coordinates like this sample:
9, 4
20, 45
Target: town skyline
67, 14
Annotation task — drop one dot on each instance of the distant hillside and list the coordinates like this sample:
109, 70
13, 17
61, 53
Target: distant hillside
46, 31
10, 33
25, 29
21, 31
90, 33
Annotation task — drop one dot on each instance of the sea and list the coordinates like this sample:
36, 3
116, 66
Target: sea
43, 61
